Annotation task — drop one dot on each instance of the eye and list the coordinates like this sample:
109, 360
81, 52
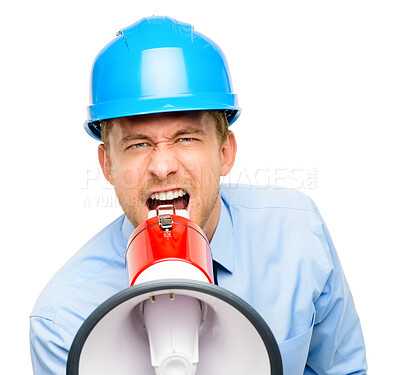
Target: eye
139, 145
186, 139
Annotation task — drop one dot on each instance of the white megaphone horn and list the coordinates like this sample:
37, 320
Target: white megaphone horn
173, 320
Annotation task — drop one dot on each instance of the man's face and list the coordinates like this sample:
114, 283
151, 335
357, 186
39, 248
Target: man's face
168, 158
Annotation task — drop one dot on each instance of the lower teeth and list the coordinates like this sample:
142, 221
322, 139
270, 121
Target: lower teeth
179, 203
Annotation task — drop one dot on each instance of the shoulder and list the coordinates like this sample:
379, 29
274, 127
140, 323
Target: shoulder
259, 197
277, 230
93, 274
285, 219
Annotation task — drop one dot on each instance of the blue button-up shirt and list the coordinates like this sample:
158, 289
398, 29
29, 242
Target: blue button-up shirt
272, 249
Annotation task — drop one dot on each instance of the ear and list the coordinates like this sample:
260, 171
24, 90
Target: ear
228, 154
105, 162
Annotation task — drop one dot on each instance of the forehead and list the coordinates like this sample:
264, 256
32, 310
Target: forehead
163, 124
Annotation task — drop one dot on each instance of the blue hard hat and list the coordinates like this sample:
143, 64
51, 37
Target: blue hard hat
159, 65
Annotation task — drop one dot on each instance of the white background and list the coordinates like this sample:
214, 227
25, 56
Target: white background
319, 85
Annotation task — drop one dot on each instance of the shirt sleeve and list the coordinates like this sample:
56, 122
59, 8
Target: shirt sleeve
337, 344
49, 346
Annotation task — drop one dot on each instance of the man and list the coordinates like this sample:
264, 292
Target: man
162, 104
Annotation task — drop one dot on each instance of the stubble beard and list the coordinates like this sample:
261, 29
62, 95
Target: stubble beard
205, 203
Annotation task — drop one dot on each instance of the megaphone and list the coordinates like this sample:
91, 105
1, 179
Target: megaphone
173, 319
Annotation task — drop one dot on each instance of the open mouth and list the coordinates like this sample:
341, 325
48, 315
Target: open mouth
177, 197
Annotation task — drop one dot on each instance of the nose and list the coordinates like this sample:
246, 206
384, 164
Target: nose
163, 162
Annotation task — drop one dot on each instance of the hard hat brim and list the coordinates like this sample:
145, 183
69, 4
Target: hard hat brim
150, 105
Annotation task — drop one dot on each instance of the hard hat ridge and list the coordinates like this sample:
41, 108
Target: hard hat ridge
159, 65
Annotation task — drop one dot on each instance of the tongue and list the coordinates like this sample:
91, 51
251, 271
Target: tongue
179, 203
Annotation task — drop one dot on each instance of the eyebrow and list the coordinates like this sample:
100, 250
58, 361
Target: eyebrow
136, 136
189, 130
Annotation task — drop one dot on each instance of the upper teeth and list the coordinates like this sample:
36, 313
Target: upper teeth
168, 195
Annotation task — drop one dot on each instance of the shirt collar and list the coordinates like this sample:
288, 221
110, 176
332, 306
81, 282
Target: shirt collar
127, 230
222, 241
